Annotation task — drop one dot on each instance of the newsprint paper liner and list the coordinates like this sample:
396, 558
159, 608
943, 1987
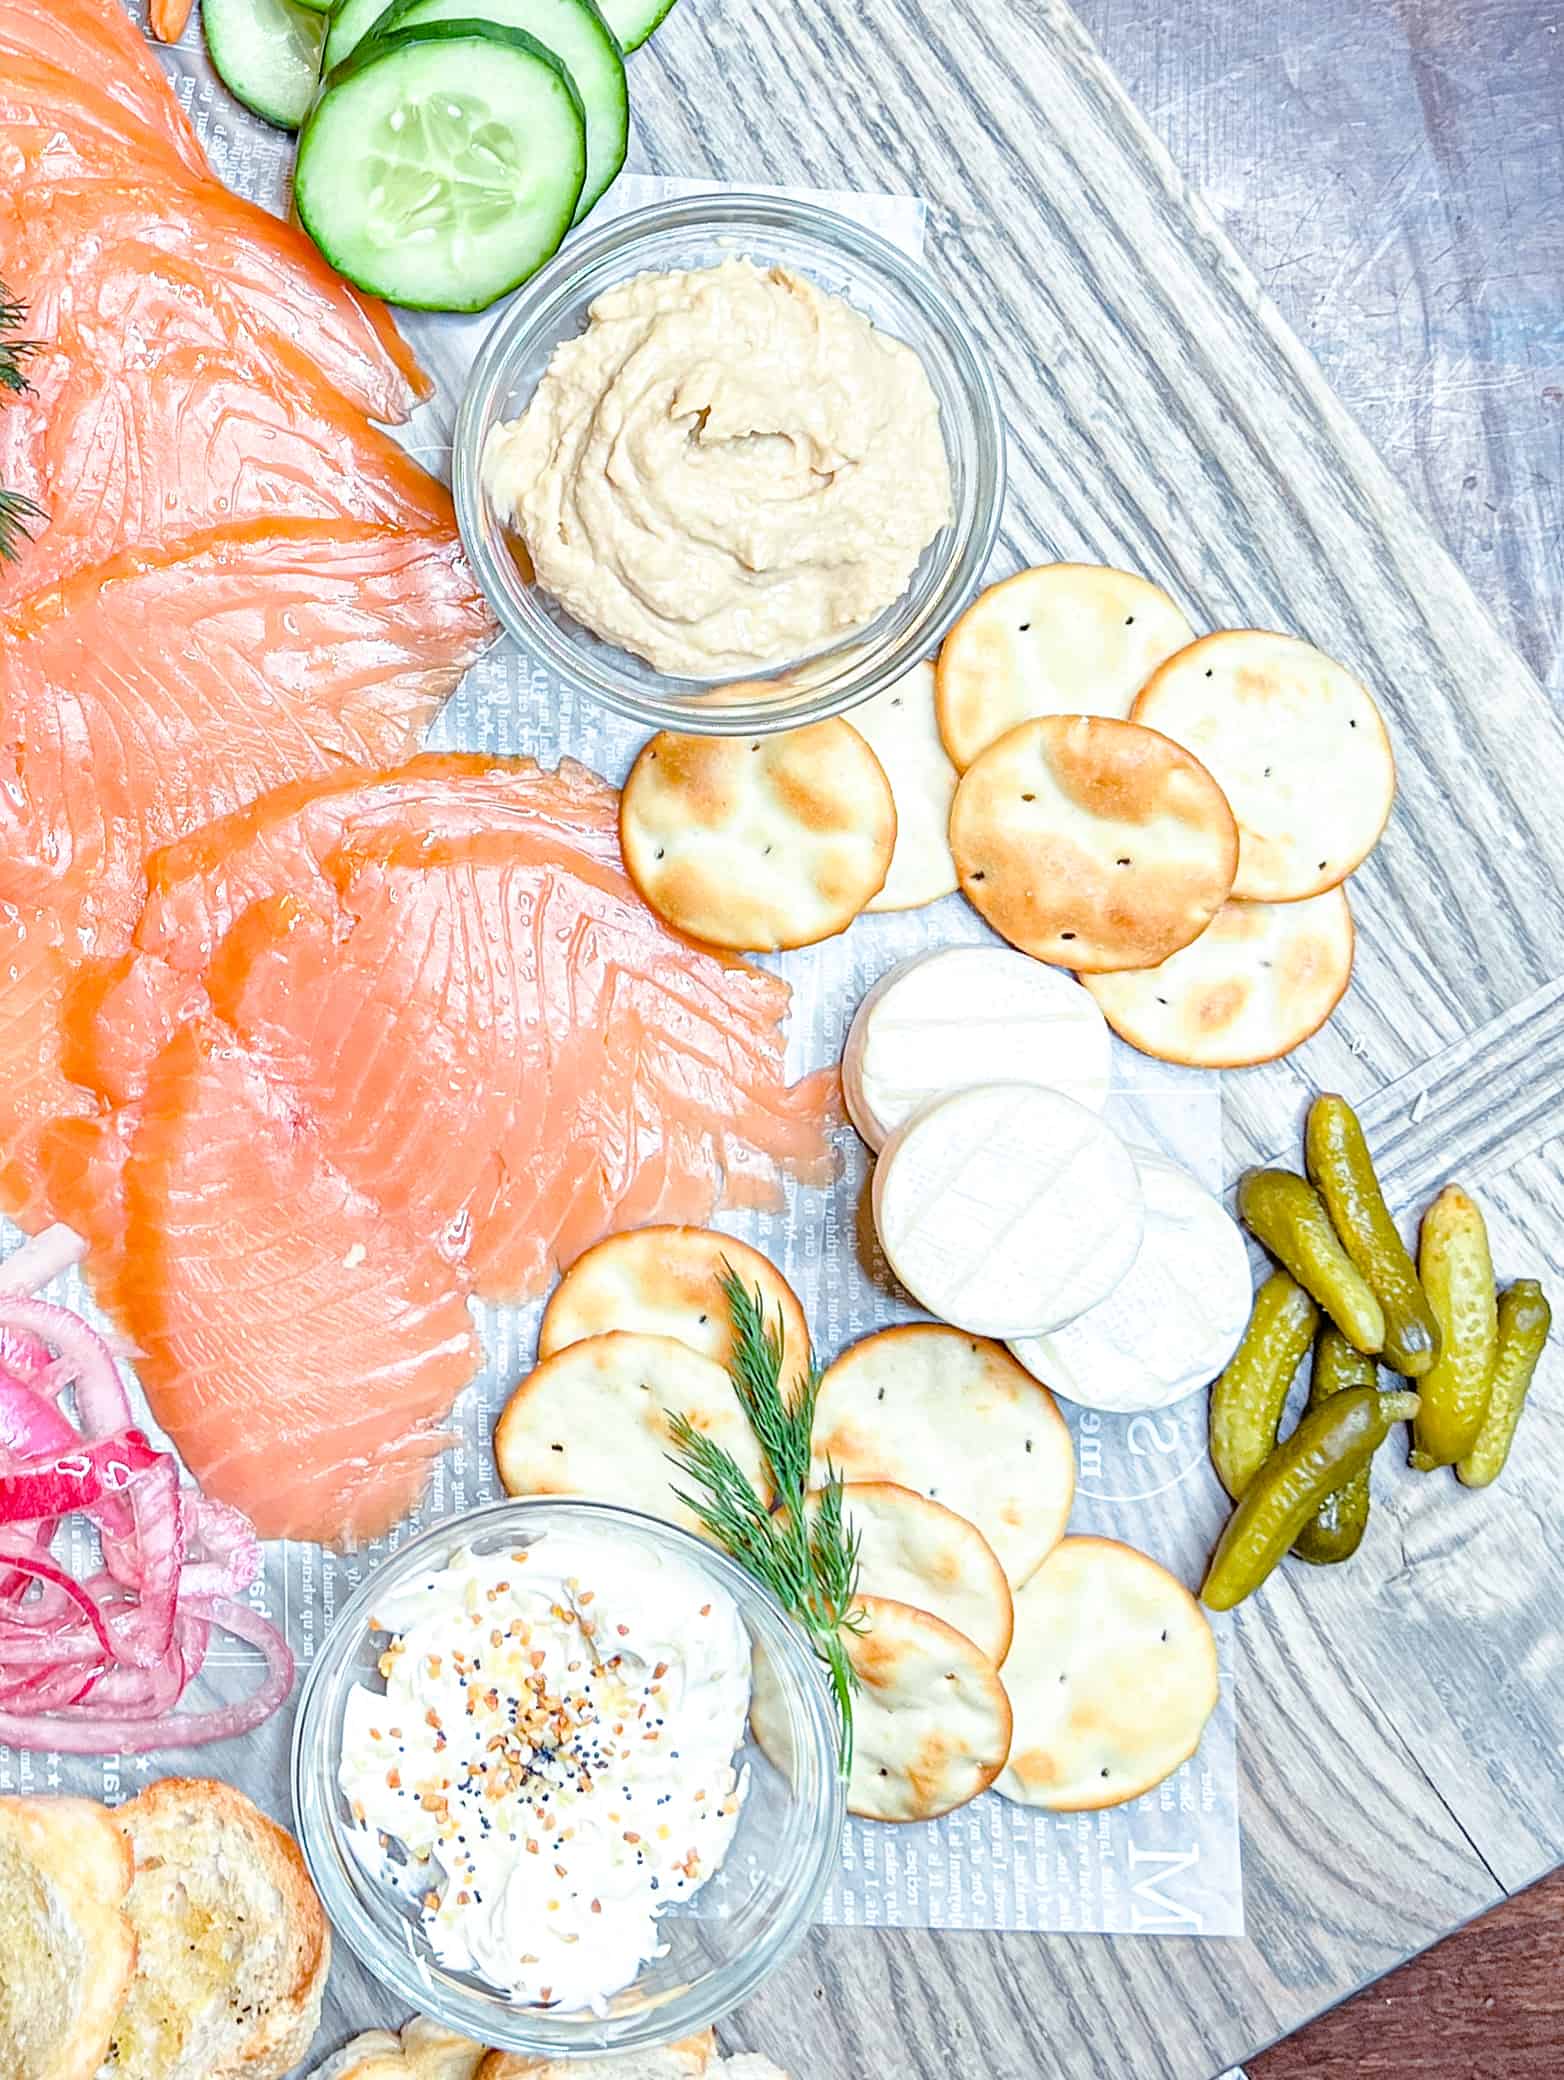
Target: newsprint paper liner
1166, 1864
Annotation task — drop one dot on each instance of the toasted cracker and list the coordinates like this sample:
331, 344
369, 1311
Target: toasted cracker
1093, 843
67, 1947
917, 1551
666, 1282
931, 1720
758, 843
423, 2051
1064, 639
233, 1946
1257, 982
593, 1420
1112, 1675
899, 728
1296, 744
953, 1417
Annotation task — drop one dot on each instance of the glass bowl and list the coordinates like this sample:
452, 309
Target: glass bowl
899, 298
721, 1941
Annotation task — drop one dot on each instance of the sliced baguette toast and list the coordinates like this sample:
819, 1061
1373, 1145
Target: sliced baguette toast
233, 1946
424, 2051
67, 1948
692, 2058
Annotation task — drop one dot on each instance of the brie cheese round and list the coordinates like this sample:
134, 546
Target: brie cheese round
945, 1021
1175, 1319
1007, 1209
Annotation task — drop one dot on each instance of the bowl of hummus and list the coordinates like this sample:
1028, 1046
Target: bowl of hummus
526, 1788
732, 463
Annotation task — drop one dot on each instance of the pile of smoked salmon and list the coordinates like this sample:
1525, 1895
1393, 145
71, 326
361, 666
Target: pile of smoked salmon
311, 1036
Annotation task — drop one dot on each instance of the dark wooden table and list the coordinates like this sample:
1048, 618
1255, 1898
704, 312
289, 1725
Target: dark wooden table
1395, 172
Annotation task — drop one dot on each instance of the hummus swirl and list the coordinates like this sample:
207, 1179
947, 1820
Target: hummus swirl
727, 470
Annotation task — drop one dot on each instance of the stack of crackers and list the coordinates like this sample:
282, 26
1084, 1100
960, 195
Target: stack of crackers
990, 1649
1172, 817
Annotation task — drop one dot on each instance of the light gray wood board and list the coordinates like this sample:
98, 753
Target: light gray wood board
1162, 415
1394, 174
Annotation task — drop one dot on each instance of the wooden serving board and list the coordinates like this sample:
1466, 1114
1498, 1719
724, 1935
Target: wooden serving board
1399, 1718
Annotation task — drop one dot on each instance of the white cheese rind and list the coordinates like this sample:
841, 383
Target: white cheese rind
1170, 1326
1008, 1209
968, 1015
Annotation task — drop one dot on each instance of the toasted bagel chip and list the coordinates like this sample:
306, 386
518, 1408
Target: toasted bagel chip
1257, 982
758, 843
666, 1282
1112, 1675
1093, 843
953, 1417
1297, 745
1064, 639
593, 1421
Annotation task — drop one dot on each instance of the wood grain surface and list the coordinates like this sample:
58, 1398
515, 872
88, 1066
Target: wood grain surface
1487, 2004
1400, 1767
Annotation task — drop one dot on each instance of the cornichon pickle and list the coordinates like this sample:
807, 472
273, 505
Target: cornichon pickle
1524, 1321
1288, 1216
1457, 1275
1248, 1399
1343, 1172
1326, 1450
1336, 1529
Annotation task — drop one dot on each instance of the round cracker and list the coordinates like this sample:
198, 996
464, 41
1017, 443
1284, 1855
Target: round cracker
758, 843
931, 1720
1093, 843
1298, 747
593, 1421
917, 1551
1257, 982
1112, 1676
955, 1418
899, 727
1064, 639
667, 1282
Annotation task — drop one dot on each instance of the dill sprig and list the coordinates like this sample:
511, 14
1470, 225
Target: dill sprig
808, 1559
16, 517
13, 352
17, 513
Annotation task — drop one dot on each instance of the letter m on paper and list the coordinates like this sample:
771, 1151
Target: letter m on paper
1150, 1906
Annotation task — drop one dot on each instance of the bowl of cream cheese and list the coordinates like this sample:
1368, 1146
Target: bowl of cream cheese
731, 463
526, 1789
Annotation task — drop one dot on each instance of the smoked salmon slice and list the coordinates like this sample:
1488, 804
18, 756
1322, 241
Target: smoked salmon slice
133, 271
504, 1046
301, 1348
137, 455
96, 41
144, 697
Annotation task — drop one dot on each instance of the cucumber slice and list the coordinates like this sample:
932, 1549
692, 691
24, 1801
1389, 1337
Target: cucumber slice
267, 54
584, 44
442, 166
350, 25
632, 21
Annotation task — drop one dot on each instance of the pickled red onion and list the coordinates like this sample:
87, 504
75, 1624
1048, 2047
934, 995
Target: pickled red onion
99, 1666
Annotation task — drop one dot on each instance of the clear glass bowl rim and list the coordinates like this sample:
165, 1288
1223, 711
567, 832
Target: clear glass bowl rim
537, 312
490, 2018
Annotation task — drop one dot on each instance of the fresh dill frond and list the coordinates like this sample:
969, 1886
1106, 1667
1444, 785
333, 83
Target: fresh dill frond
13, 351
808, 1559
17, 517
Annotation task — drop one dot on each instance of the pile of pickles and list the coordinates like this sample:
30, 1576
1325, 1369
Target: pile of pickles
1347, 1288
